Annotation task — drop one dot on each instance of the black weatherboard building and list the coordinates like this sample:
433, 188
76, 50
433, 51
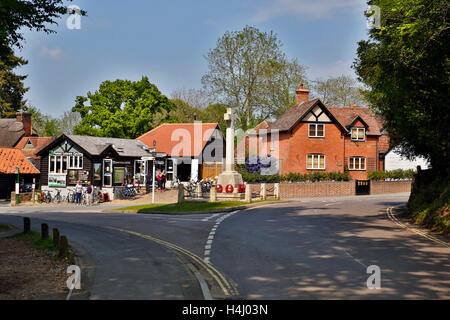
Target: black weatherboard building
106, 162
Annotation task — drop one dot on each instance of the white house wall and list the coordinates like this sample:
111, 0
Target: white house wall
394, 161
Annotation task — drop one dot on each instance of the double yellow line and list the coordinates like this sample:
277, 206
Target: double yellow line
421, 233
228, 289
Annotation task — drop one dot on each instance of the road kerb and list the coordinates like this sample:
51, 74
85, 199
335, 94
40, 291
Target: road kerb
227, 288
424, 234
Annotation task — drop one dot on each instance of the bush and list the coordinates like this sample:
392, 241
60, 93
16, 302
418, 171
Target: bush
394, 174
429, 204
291, 177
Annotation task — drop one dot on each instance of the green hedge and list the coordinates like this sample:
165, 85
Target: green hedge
292, 177
394, 174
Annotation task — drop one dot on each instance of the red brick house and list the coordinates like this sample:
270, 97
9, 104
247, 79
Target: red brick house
314, 137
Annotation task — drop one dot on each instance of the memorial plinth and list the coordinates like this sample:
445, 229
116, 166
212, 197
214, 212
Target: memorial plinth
230, 176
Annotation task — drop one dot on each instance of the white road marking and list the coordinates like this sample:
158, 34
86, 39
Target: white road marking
210, 217
332, 203
355, 259
209, 241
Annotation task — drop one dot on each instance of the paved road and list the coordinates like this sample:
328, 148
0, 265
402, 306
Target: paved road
310, 249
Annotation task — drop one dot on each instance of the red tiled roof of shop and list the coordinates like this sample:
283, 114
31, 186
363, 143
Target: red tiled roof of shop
167, 143
11, 158
37, 142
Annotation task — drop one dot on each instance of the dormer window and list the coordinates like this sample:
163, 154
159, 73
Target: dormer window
316, 130
358, 134
29, 145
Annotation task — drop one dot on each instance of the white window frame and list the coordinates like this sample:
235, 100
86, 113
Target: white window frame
55, 159
318, 156
76, 163
108, 174
357, 160
357, 134
144, 165
315, 125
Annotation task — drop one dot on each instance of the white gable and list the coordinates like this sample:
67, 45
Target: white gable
324, 118
317, 115
310, 117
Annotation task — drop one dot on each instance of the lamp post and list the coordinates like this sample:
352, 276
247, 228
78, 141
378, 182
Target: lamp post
153, 171
17, 186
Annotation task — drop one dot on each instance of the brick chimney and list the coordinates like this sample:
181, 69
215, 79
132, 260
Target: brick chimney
25, 118
302, 94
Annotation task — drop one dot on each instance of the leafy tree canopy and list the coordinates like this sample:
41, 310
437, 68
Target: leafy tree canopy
121, 109
12, 89
248, 70
339, 91
48, 126
406, 66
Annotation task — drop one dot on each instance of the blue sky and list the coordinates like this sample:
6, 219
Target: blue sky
167, 41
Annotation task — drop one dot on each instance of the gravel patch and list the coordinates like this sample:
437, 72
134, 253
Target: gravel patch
27, 273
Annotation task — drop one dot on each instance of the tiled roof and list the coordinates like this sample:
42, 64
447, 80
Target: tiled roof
347, 115
11, 158
344, 115
287, 120
124, 147
37, 142
11, 131
163, 137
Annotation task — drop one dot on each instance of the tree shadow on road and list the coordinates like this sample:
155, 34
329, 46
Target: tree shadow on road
323, 253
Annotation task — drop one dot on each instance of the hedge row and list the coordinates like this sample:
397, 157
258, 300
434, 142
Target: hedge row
394, 174
296, 177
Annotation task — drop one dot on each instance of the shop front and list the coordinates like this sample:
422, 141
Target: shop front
105, 162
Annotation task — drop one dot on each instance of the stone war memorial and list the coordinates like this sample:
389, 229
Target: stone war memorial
230, 177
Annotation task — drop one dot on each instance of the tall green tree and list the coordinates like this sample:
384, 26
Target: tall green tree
339, 91
249, 71
48, 126
406, 66
121, 109
12, 88
184, 112
214, 113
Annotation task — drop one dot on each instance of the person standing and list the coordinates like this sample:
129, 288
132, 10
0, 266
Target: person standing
78, 192
158, 177
148, 181
163, 180
90, 193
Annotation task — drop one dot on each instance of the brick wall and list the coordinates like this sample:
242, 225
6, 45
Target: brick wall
317, 189
380, 187
23, 197
330, 189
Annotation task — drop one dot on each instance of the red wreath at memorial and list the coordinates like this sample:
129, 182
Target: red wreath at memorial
229, 188
219, 188
241, 188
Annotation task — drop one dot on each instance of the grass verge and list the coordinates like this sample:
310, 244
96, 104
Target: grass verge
429, 205
5, 227
186, 206
34, 238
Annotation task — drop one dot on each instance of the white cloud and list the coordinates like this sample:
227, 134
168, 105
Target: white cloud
54, 54
311, 9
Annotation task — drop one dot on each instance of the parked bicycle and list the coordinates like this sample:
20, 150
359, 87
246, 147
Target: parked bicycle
46, 196
125, 192
70, 198
58, 198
